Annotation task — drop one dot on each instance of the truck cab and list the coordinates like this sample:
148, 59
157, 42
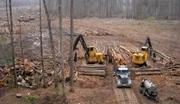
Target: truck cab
121, 75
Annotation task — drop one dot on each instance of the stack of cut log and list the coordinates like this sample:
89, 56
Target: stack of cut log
66, 76
29, 74
146, 71
117, 56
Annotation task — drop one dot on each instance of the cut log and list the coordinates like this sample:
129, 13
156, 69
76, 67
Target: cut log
92, 73
66, 71
128, 51
164, 56
92, 69
177, 82
175, 73
144, 70
147, 73
96, 67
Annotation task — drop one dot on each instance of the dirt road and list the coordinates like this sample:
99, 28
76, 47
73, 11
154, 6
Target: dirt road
125, 95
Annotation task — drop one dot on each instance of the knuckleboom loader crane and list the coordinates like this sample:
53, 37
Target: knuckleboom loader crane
91, 54
94, 60
141, 58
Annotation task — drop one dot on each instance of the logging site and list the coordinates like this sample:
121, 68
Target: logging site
89, 51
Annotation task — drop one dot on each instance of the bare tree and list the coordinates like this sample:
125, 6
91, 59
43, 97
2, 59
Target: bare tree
121, 8
12, 43
7, 13
52, 44
41, 46
61, 48
71, 46
21, 44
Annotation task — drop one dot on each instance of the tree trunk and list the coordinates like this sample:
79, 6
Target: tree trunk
12, 43
41, 46
7, 14
61, 48
71, 47
52, 45
21, 45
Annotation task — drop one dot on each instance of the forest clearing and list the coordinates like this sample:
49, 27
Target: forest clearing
76, 58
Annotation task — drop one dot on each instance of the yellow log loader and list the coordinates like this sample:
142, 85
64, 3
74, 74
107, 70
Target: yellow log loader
94, 60
141, 58
91, 54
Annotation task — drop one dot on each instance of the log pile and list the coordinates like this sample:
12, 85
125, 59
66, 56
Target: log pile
119, 54
175, 73
146, 71
90, 32
25, 18
29, 74
66, 76
92, 70
117, 58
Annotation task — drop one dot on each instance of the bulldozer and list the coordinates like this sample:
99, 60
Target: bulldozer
141, 58
95, 64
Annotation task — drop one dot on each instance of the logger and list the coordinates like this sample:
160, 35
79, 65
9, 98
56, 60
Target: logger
91, 54
94, 64
141, 58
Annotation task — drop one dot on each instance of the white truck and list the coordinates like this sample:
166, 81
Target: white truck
121, 75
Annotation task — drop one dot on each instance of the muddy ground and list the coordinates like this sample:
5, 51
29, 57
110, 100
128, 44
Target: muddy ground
164, 34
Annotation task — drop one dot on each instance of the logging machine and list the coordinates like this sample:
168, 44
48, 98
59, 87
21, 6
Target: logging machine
91, 54
141, 58
94, 65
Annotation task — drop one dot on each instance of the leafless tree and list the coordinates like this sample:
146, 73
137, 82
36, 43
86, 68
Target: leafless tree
71, 46
12, 43
7, 13
41, 42
52, 45
21, 44
121, 8
61, 48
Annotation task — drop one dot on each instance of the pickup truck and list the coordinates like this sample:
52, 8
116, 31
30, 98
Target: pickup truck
121, 75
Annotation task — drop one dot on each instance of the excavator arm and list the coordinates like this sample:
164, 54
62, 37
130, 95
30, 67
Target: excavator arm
149, 45
83, 43
148, 42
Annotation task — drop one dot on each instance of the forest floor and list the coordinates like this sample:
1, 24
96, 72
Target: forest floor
164, 35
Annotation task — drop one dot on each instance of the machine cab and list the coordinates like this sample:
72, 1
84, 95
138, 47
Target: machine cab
140, 58
121, 70
121, 75
94, 56
91, 49
144, 49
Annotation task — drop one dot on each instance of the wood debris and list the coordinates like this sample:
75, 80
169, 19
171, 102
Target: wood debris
26, 72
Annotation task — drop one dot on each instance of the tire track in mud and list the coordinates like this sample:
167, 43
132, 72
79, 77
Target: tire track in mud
125, 95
